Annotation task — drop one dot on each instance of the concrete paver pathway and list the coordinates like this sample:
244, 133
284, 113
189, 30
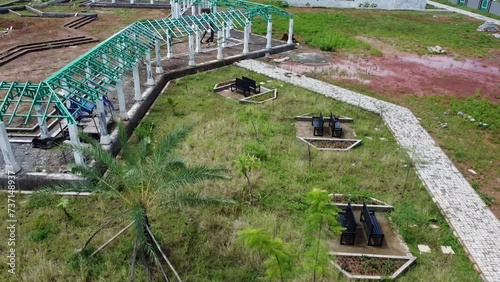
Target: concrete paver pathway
472, 222
463, 12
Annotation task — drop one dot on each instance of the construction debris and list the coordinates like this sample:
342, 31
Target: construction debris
5, 31
488, 27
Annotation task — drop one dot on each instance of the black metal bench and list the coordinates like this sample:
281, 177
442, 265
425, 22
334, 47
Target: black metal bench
334, 125
242, 85
372, 228
318, 123
253, 85
348, 221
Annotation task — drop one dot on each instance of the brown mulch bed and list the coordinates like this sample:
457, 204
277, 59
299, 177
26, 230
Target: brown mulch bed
370, 265
331, 144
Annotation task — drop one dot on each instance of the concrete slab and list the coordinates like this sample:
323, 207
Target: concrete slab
424, 249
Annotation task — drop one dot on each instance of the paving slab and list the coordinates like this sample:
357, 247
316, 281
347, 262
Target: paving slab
475, 226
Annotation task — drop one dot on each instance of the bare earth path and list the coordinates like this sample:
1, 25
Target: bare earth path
473, 223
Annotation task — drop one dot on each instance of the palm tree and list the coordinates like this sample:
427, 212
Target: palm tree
148, 174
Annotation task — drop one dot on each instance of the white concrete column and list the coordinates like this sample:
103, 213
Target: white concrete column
193, 10
159, 68
103, 125
113, 1
87, 71
269, 32
214, 8
199, 9
65, 92
137, 83
149, 70
223, 34
93, 1
152, 2
198, 43
228, 28
121, 100
75, 141
246, 36
132, 2
290, 32
219, 45
11, 166
42, 124
170, 54
191, 49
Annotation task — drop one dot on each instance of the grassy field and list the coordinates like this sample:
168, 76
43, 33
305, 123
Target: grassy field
201, 241
406, 30
412, 32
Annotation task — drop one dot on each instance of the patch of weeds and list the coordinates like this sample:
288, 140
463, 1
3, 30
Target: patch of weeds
40, 235
88, 266
145, 130
256, 148
40, 200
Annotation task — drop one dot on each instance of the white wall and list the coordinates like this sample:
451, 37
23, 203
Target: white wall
380, 4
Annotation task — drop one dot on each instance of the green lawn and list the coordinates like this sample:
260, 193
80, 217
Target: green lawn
465, 143
200, 241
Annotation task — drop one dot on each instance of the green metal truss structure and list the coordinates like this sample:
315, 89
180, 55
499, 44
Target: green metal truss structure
21, 95
96, 73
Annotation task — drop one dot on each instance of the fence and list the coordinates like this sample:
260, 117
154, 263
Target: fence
490, 6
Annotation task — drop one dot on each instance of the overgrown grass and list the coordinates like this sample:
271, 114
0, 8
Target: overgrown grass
407, 30
200, 242
466, 143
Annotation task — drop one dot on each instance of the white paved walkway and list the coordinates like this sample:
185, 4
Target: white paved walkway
463, 12
473, 223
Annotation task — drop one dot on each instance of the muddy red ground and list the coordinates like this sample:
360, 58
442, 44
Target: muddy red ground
398, 73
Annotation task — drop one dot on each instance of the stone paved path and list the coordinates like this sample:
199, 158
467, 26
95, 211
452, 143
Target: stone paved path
463, 12
476, 227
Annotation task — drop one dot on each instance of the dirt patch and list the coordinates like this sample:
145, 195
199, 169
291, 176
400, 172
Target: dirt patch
370, 265
392, 244
35, 67
397, 73
306, 130
331, 144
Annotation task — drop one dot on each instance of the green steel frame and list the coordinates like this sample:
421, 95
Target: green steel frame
94, 74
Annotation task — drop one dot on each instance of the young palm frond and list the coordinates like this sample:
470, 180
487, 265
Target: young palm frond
170, 142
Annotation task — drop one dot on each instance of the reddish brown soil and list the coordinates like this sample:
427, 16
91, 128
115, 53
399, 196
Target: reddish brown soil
397, 73
35, 67
369, 265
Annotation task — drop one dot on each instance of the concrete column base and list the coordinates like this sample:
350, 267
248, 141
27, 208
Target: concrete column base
150, 82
